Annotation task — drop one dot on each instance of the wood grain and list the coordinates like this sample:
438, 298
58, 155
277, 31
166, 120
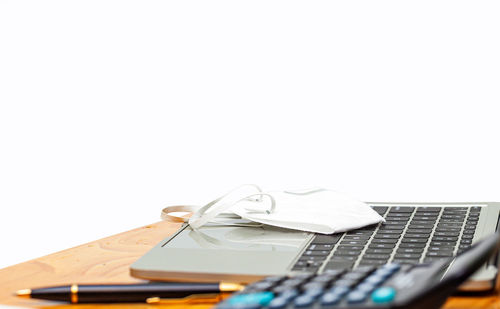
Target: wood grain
107, 261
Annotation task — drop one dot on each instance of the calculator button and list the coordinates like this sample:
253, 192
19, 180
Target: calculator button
289, 294
383, 295
340, 290
366, 287
259, 299
375, 279
315, 293
330, 299
303, 301
278, 303
356, 297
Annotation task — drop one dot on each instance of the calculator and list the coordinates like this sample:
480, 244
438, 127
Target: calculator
392, 285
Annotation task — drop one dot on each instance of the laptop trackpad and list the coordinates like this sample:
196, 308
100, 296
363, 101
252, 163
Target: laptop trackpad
223, 250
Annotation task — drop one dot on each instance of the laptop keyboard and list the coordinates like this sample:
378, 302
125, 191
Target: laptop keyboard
409, 235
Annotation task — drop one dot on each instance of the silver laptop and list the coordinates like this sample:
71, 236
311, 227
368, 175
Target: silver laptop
413, 233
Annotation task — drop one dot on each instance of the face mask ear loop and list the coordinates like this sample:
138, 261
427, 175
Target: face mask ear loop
200, 217
273, 203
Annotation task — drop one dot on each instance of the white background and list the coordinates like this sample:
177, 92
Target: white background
110, 110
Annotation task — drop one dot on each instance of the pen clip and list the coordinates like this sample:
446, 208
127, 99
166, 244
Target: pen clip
191, 299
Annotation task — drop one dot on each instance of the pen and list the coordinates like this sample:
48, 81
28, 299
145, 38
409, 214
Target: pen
86, 293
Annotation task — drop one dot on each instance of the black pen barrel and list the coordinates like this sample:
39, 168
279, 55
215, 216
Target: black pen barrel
123, 292
57, 293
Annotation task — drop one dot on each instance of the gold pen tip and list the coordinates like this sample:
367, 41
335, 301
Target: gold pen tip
230, 287
153, 300
26, 293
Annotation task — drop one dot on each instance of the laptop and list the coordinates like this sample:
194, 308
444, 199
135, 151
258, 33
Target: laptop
413, 233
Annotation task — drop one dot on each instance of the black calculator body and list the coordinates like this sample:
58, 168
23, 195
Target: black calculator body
387, 286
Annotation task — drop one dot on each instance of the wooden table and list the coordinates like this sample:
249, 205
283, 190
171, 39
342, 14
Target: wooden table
107, 261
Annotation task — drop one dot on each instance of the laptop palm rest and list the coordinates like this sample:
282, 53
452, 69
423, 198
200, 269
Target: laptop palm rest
214, 253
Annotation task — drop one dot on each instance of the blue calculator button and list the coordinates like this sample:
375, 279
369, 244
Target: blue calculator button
278, 303
383, 295
356, 297
261, 299
303, 301
329, 299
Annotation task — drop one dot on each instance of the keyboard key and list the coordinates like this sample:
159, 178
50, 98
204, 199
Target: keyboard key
426, 236
412, 230
410, 250
379, 251
443, 243
407, 256
449, 229
429, 209
402, 209
433, 259
326, 239
347, 247
425, 218
414, 240
380, 209
381, 246
376, 256
439, 253
347, 252
345, 257
421, 226
372, 262
456, 208
412, 245
384, 241
444, 248
353, 242
447, 234
339, 264
391, 226
320, 247
305, 264
439, 238
312, 258
386, 236
406, 261
422, 222
459, 217
389, 231
356, 232
356, 237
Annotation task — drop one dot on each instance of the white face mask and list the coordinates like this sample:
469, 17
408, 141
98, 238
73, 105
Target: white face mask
319, 210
